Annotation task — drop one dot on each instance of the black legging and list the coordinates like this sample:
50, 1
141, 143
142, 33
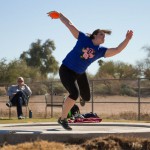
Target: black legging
75, 84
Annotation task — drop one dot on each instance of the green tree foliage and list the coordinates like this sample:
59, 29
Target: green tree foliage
147, 68
147, 62
117, 70
3, 70
144, 65
10, 71
147, 49
124, 70
40, 56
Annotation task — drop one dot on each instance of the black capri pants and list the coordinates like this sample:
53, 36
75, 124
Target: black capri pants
76, 84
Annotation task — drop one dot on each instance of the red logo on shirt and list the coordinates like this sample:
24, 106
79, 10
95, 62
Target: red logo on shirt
87, 53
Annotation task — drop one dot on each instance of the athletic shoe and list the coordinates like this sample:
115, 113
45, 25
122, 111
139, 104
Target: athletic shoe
21, 117
8, 104
64, 124
82, 102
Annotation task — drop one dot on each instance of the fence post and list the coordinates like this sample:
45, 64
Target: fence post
51, 99
92, 97
139, 99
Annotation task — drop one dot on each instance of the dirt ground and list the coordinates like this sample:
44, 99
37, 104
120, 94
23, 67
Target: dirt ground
103, 106
101, 143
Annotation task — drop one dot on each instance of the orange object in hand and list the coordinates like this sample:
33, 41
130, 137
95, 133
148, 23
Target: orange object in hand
53, 14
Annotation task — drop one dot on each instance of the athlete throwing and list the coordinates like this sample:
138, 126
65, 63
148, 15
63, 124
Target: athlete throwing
72, 71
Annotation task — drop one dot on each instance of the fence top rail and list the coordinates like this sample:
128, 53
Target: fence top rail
58, 80
106, 79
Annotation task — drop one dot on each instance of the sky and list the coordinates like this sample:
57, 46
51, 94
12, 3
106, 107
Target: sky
22, 22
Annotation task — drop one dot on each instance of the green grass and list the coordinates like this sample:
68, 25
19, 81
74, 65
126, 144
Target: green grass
129, 117
27, 120
123, 120
36, 120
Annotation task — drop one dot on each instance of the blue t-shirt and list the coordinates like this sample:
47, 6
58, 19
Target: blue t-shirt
83, 54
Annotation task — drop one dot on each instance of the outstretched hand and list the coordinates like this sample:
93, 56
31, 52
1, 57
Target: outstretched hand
54, 14
129, 34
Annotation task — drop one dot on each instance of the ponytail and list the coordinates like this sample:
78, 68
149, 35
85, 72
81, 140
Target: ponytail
97, 31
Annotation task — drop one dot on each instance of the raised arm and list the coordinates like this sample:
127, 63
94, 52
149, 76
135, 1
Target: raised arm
113, 51
69, 25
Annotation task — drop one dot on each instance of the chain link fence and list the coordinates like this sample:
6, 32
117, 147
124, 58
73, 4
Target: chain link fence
110, 99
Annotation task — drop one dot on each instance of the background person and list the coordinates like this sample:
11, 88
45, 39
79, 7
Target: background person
19, 95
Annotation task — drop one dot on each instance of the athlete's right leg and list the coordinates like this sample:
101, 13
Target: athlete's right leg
68, 79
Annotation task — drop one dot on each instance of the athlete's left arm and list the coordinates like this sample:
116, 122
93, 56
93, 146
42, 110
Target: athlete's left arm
113, 51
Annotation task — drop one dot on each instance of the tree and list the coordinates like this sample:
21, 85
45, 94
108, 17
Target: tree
118, 70
144, 65
100, 62
147, 49
40, 56
10, 71
3, 70
147, 62
124, 70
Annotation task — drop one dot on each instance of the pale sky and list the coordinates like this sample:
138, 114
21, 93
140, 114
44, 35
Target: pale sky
24, 21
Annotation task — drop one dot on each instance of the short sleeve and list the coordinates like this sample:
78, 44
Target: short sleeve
82, 36
102, 51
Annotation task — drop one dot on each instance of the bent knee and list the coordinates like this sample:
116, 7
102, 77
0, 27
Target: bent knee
86, 98
74, 96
